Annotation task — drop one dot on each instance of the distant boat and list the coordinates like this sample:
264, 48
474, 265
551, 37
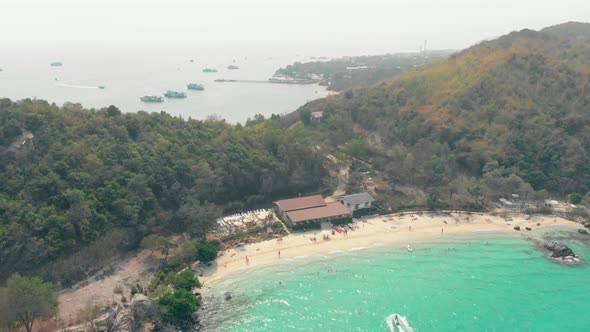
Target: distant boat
56, 64
101, 87
209, 70
232, 67
174, 94
191, 60
224, 80
195, 86
151, 99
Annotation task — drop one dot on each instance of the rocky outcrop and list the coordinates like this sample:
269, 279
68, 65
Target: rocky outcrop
122, 318
583, 231
562, 253
142, 308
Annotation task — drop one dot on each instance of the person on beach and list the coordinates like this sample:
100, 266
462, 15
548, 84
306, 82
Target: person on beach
442, 230
279, 254
410, 228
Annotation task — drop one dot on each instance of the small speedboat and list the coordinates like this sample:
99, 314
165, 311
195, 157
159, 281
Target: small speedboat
398, 323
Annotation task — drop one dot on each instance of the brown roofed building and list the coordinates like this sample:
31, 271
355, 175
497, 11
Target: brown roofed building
310, 208
299, 203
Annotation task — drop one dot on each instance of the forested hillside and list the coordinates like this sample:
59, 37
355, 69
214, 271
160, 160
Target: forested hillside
354, 71
508, 112
570, 30
86, 174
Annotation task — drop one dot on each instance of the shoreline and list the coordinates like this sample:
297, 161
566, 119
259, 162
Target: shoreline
407, 229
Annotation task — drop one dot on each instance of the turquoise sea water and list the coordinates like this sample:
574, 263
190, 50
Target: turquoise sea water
490, 283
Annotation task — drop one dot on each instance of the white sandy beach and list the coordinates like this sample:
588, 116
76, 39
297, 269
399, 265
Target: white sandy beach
391, 229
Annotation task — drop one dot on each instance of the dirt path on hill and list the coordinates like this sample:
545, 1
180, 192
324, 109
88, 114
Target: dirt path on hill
128, 272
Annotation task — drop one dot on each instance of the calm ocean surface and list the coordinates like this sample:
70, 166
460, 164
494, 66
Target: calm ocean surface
131, 72
490, 283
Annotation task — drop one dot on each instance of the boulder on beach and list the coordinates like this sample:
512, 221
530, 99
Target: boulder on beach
583, 231
528, 228
517, 228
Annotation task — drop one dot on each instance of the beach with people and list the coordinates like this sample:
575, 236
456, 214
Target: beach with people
404, 229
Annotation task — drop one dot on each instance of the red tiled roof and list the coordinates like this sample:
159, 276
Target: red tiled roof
299, 203
329, 210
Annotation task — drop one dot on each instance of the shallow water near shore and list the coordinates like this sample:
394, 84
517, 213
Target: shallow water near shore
476, 282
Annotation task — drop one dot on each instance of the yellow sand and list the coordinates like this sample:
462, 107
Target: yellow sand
392, 229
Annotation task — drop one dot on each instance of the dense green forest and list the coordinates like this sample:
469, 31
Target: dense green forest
94, 182
505, 116
353, 71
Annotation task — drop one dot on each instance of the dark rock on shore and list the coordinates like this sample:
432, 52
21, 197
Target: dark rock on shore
528, 228
227, 296
562, 253
586, 224
517, 228
583, 231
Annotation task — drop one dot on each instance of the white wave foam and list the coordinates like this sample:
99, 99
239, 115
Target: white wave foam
357, 248
400, 324
281, 301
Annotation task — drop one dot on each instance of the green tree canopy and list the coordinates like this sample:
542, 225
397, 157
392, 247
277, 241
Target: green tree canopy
185, 280
26, 300
206, 251
178, 307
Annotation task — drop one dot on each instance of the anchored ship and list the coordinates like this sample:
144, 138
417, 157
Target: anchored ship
152, 99
195, 86
174, 94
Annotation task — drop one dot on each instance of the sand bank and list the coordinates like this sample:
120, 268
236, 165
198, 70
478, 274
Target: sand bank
390, 229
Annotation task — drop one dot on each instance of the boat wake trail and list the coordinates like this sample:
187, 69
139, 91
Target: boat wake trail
66, 85
398, 323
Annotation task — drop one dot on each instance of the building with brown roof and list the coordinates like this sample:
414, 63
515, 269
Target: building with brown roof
310, 209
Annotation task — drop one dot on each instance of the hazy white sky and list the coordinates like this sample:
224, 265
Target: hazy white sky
398, 25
